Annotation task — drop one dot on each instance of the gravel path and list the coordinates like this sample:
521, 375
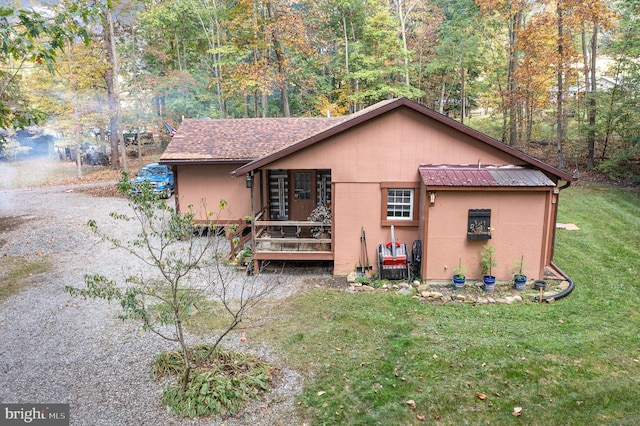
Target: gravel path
55, 349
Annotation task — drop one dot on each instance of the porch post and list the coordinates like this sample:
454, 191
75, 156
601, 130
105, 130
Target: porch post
250, 176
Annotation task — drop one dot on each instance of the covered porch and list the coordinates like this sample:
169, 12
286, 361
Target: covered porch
294, 219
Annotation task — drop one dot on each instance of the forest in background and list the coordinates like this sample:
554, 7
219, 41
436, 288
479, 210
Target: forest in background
557, 79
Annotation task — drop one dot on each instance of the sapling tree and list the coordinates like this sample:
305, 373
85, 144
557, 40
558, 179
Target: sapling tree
189, 264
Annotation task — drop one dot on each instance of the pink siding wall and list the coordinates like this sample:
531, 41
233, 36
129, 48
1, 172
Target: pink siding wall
518, 219
202, 186
358, 205
390, 149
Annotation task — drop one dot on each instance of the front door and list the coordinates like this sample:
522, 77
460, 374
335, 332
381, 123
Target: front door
303, 194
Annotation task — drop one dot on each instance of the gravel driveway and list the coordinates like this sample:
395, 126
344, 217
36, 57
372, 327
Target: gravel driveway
55, 349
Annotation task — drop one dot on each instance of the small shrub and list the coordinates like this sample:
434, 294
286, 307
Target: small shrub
363, 280
460, 270
624, 165
223, 385
488, 259
378, 283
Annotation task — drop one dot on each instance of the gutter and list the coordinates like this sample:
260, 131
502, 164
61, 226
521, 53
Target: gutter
569, 289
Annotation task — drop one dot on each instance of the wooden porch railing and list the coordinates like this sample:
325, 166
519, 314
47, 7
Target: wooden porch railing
291, 239
279, 239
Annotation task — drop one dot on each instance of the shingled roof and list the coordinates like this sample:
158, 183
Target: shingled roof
255, 142
209, 141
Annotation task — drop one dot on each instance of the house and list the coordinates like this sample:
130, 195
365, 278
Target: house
395, 165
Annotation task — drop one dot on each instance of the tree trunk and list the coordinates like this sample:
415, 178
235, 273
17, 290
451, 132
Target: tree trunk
284, 92
442, 87
346, 60
282, 81
79, 160
185, 378
512, 84
77, 131
529, 118
265, 105
560, 95
462, 92
108, 76
591, 107
212, 29
113, 89
403, 31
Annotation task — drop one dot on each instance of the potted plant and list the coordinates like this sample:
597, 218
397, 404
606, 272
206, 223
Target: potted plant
459, 277
322, 214
519, 278
488, 262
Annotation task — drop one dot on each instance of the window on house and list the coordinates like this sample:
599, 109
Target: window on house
323, 187
400, 203
302, 185
278, 195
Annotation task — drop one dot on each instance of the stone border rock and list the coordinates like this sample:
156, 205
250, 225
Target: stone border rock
472, 293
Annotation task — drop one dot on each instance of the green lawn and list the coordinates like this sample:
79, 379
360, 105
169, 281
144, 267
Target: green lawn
574, 362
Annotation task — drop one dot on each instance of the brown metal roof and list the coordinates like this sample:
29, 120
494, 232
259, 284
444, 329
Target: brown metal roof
474, 176
238, 140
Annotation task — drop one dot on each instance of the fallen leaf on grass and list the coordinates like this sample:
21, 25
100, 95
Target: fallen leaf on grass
420, 417
411, 403
321, 393
481, 396
517, 411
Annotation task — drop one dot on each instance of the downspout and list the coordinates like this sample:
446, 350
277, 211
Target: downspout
569, 289
555, 218
563, 293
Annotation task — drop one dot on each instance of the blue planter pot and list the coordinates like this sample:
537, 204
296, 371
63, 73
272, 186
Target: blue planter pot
488, 283
519, 282
458, 283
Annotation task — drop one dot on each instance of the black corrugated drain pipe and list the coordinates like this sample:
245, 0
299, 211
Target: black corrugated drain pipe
563, 293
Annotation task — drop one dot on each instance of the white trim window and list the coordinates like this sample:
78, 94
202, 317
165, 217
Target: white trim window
400, 204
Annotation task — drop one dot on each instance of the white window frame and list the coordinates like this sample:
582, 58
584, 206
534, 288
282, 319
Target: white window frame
399, 204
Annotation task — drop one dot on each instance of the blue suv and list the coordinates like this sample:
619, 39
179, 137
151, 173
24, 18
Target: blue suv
159, 176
